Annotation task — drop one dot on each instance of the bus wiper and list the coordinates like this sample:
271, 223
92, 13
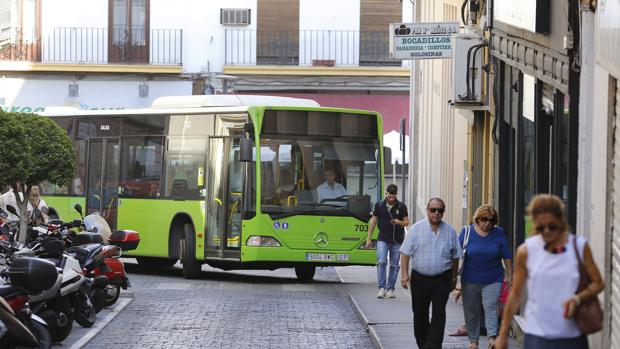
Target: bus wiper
361, 216
284, 214
314, 204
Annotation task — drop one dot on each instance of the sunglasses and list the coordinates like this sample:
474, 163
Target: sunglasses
552, 228
487, 219
437, 210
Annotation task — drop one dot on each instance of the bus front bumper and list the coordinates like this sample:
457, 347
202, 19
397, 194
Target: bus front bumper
311, 256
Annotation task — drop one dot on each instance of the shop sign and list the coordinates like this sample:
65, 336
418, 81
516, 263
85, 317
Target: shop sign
422, 40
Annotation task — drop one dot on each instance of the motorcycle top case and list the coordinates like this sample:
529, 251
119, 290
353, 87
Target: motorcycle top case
32, 274
127, 240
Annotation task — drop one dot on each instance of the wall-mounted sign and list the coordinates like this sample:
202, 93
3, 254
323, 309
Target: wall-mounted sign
422, 40
532, 15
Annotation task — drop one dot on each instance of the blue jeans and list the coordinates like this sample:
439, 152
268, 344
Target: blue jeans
383, 249
473, 296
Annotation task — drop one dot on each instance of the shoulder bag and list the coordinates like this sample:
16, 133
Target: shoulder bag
465, 242
588, 315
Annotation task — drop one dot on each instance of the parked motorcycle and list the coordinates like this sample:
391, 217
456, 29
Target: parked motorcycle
68, 298
27, 276
98, 231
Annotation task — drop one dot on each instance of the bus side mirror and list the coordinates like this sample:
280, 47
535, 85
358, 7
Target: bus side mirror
245, 150
387, 158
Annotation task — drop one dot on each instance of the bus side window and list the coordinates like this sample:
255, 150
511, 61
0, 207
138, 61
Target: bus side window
141, 167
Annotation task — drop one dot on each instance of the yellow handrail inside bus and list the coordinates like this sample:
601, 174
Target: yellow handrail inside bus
288, 200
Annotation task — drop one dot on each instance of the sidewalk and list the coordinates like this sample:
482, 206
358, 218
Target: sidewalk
80, 336
390, 321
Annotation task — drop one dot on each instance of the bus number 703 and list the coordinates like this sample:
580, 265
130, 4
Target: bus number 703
361, 227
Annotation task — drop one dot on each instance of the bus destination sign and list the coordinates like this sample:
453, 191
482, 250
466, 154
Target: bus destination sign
422, 40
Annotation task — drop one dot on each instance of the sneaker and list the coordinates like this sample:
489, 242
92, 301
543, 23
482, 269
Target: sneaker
381, 293
390, 294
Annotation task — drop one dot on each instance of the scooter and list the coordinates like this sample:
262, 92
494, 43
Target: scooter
98, 232
27, 276
68, 298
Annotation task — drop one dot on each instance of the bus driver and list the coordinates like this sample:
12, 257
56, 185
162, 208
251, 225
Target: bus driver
330, 189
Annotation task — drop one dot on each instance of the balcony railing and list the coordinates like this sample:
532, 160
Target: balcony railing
307, 48
93, 45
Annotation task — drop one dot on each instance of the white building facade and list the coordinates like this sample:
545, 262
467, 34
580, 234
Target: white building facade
116, 54
599, 154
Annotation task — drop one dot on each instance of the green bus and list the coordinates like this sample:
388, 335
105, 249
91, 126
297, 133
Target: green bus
228, 180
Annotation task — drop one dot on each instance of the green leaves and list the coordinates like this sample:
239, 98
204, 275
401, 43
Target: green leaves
34, 149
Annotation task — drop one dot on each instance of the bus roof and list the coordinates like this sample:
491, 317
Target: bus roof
197, 105
202, 101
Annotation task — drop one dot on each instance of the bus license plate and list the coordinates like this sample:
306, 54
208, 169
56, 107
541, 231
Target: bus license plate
327, 257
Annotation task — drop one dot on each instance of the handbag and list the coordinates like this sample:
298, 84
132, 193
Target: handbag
589, 314
465, 242
503, 298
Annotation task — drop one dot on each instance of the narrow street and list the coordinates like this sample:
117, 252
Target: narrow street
241, 309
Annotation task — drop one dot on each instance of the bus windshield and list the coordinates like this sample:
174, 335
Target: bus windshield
319, 176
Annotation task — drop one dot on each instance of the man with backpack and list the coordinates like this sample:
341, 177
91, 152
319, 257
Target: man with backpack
393, 218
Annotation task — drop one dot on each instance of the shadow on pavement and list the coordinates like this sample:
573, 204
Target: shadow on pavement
220, 275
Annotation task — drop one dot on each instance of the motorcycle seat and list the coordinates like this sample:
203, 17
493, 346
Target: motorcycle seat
86, 238
92, 248
80, 253
9, 291
55, 260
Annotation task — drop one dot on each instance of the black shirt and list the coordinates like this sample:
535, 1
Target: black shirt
388, 232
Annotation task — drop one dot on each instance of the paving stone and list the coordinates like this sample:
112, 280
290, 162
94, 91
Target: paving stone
240, 309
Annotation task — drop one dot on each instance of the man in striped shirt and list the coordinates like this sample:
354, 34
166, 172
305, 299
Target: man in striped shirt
433, 249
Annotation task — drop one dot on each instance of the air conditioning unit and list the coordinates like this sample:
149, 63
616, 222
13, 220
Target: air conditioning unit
235, 16
467, 71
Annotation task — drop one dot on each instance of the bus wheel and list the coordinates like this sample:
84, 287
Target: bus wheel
191, 267
155, 262
305, 273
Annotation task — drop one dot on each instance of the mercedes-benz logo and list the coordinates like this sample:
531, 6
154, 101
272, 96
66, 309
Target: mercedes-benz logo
321, 240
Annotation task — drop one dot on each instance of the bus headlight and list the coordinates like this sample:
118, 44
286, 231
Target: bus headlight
262, 241
373, 245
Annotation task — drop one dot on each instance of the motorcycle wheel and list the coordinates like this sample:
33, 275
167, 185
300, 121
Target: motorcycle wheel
42, 333
97, 297
84, 312
111, 295
61, 332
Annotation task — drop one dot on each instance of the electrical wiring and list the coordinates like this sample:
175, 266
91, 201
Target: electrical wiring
463, 11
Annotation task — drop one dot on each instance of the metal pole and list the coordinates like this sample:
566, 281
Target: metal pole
403, 132
413, 134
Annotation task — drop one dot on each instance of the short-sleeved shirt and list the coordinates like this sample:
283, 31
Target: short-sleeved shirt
388, 232
324, 191
483, 257
431, 254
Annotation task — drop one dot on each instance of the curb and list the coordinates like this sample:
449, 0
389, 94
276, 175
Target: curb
371, 331
375, 337
122, 303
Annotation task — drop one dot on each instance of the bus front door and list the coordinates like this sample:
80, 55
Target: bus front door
224, 198
103, 174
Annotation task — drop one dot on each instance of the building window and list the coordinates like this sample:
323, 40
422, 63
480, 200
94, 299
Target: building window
129, 26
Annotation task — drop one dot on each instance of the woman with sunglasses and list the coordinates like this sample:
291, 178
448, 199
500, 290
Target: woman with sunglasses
483, 273
547, 264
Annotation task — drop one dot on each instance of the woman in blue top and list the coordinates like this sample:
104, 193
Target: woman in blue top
483, 273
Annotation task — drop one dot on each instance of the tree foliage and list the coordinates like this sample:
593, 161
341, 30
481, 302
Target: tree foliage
33, 149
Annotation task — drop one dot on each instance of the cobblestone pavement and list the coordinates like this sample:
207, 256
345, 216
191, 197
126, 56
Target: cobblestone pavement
240, 309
